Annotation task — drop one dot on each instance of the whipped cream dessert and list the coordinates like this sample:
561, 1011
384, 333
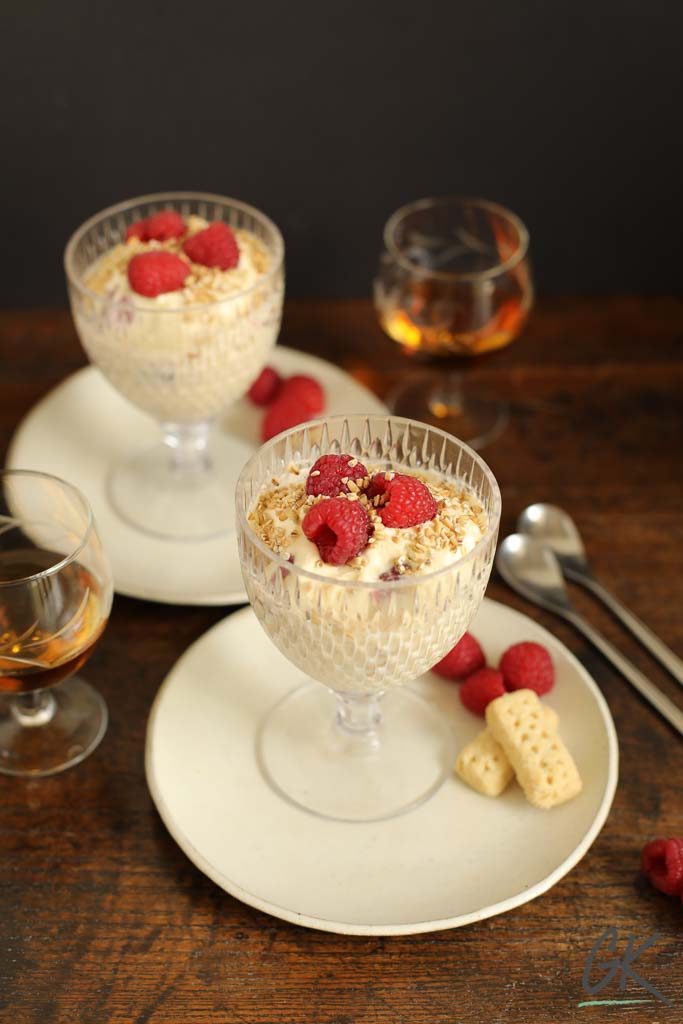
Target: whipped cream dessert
391, 590
390, 552
181, 347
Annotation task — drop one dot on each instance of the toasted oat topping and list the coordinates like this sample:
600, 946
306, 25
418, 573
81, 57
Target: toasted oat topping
109, 274
459, 523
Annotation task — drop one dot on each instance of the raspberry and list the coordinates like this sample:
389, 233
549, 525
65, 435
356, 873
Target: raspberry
266, 386
464, 659
153, 273
328, 471
407, 501
307, 391
160, 226
662, 862
215, 246
480, 689
282, 414
528, 666
338, 528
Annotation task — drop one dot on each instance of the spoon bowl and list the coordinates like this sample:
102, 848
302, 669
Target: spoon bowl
554, 527
532, 569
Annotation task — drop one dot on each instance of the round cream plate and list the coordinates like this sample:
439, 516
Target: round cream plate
459, 858
79, 430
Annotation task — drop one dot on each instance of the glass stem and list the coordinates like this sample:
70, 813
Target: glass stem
446, 398
34, 708
188, 447
359, 718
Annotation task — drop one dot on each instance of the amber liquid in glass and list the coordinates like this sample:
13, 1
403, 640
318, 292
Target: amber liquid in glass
49, 625
423, 322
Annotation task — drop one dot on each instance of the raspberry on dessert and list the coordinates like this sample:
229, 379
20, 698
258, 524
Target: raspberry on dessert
282, 414
340, 529
464, 659
662, 862
528, 666
328, 473
480, 689
306, 390
154, 273
215, 246
266, 386
407, 501
160, 227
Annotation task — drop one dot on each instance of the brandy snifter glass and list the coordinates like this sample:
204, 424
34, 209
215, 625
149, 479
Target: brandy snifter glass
55, 598
454, 282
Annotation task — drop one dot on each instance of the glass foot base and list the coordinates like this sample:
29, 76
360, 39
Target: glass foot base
46, 732
473, 418
312, 761
179, 496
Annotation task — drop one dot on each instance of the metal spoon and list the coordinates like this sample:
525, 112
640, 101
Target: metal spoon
533, 571
555, 528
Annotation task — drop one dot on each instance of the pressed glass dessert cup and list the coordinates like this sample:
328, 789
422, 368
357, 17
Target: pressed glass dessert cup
181, 362
55, 598
362, 746
454, 283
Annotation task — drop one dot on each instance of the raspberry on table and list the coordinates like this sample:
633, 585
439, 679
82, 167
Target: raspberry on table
480, 689
215, 246
407, 501
160, 227
528, 666
266, 386
157, 272
280, 415
327, 474
464, 659
306, 390
662, 862
340, 529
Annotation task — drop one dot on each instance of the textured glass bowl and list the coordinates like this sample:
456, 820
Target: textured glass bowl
363, 640
181, 364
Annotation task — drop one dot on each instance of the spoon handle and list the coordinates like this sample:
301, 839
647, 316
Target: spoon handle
641, 632
635, 677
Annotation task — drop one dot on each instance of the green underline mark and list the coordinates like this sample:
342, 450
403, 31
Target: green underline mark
614, 1002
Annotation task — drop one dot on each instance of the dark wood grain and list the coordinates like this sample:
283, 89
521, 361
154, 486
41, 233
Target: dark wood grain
102, 919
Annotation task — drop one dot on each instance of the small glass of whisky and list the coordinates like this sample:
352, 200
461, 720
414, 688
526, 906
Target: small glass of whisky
454, 281
55, 598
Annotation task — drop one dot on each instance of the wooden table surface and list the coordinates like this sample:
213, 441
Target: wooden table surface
103, 919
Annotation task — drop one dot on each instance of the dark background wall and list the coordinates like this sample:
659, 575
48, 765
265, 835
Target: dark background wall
328, 115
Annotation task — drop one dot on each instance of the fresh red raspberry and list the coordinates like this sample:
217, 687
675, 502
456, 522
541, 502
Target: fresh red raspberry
662, 862
480, 689
408, 502
215, 246
464, 659
338, 528
266, 386
160, 226
328, 471
306, 390
528, 666
156, 272
282, 414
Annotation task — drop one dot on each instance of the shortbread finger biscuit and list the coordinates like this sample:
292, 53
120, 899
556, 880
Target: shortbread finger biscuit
483, 764
544, 767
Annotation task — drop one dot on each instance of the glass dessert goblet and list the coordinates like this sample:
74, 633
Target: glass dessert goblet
182, 355
454, 283
55, 597
363, 746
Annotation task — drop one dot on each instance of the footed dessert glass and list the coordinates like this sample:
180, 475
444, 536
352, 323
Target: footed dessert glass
362, 746
181, 362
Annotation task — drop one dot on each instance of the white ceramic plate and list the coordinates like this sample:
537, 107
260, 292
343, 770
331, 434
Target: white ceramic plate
459, 858
84, 426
